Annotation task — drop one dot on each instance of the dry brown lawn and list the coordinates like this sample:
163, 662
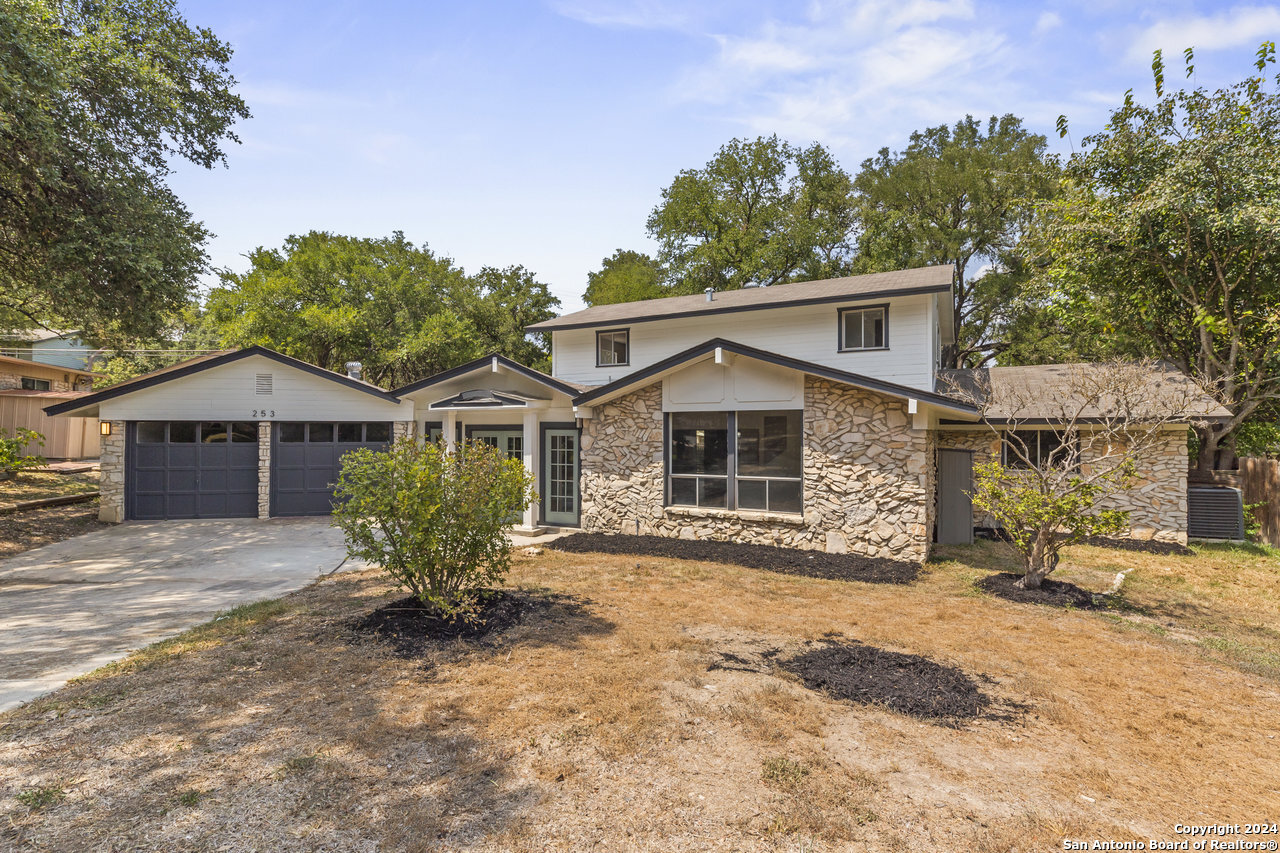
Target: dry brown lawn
276, 728
33, 485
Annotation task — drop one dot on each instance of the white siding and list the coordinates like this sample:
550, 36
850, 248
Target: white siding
229, 393
807, 332
742, 385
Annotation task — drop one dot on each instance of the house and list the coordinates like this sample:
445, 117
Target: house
63, 348
811, 415
27, 387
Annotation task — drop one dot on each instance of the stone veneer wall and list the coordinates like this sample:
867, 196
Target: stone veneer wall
1157, 503
264, 469
111, 480
868, 478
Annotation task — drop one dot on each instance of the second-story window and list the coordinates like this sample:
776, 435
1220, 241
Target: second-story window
864, 328
613, 348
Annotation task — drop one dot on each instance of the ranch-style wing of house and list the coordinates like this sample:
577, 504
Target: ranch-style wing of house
811, 415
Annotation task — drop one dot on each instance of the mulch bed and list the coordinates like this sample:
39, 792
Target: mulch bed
787, 561
1144, 546
22, 531
1053, 593
415, 631
910, 684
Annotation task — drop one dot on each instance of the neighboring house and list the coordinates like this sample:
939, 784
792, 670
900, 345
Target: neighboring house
61, 348
805, 415
27, 387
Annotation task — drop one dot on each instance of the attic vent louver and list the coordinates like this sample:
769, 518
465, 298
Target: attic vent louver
263, 384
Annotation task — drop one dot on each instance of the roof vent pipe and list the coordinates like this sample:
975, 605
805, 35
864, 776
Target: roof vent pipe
710, 291
353, 369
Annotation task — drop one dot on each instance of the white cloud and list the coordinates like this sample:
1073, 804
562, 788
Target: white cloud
1046, 22
1242, 26
630, 14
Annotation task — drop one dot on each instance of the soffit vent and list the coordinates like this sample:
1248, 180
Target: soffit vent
264, 383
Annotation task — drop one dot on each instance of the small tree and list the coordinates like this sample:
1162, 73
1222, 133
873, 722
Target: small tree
1093, 423
433, 519
12, 457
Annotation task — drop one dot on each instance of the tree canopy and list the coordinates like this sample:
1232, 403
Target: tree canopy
95, 101
760, 211
397, 308
958, 195
1166, 239
626, 276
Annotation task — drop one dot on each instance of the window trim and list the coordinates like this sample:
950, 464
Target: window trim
1071, 438
841, 312
625, 330
731, 475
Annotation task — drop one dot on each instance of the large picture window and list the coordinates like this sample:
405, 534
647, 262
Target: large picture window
864, 328
736, 460
613, 348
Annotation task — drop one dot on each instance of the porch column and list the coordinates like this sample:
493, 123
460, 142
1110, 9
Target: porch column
530, 448
450, 428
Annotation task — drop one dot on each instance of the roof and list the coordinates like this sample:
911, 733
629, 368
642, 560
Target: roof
699, 352
1048, 392
934, 279
486, 362
208, 362
28, 363
52, 395
37, 335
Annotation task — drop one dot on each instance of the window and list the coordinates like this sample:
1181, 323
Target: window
151, 432
1041, 447
350, 433
864, 328
613, 348
760, 469
378, 431
292, 433
320, 433
29, 384
182, 432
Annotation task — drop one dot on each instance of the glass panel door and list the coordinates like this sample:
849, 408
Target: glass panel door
511, 443
560, 491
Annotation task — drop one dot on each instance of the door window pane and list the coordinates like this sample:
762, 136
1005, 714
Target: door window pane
151, 432
182, 432
292, 432
213, 432
244, 432
320, 432
377, 431
350, 433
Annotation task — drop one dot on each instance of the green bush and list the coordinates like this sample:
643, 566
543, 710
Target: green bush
11, 456
432, 519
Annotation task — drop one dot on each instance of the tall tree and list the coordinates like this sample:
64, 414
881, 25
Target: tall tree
1167, 238
958, 195
626, 276
96, 99
760, 211
399, 309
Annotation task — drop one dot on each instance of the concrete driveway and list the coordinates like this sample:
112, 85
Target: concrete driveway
72, 606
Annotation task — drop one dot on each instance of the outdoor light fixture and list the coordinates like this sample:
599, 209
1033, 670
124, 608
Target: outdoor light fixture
105, 427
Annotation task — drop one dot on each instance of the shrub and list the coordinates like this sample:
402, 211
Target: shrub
11, 456
432, 519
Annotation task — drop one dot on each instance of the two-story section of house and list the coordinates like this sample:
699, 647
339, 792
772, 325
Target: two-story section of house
795, 415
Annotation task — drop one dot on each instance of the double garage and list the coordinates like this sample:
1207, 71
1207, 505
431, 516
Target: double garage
247, 434
212, 469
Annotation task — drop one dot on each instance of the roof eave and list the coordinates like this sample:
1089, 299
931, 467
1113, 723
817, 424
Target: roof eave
481, 363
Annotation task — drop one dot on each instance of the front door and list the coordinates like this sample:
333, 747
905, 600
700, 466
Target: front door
560, 489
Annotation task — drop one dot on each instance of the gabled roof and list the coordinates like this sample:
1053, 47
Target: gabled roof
1042, 393
9, 360
935, 279
701, 351
208, 362
486, 362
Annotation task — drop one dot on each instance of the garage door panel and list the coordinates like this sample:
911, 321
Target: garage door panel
303, 473
182, 479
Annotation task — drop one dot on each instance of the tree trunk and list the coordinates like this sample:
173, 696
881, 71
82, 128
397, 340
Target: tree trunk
1042, 560
1207, 458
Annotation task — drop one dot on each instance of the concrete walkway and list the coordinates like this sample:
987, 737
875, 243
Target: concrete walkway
73, 606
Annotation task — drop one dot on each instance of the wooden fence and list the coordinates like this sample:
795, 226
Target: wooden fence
64, 438
1260, 484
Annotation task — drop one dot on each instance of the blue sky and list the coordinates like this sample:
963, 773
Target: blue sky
541, 133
